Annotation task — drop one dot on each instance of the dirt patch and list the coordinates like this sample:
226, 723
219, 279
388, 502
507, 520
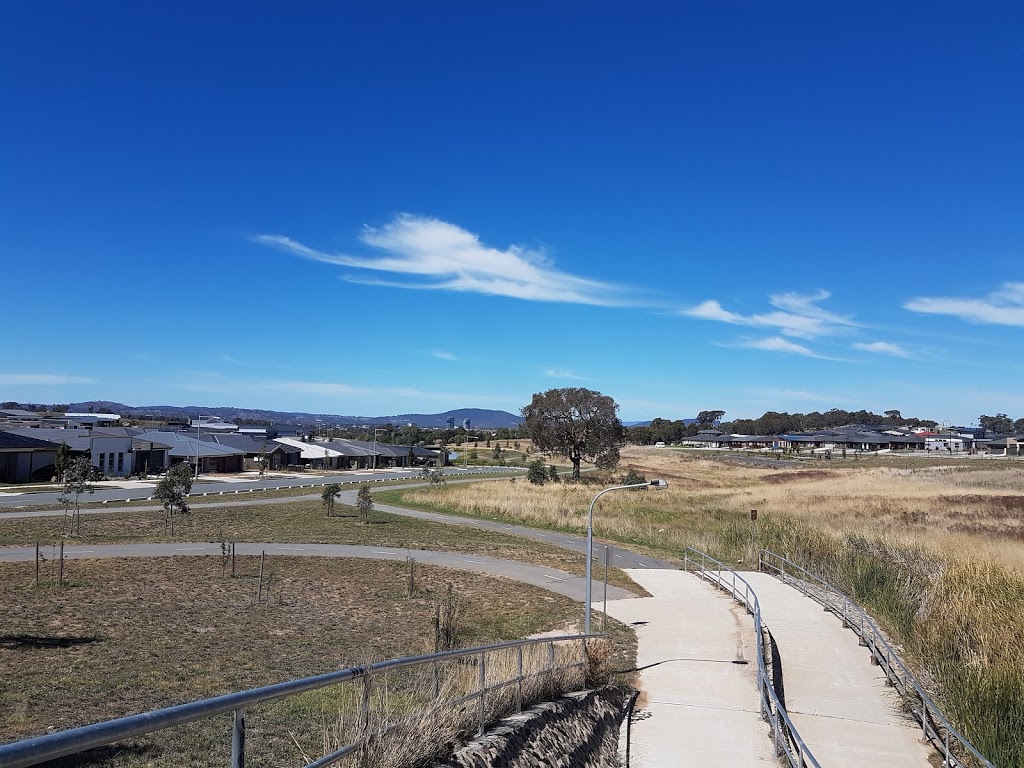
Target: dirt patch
1001, 503
130, 635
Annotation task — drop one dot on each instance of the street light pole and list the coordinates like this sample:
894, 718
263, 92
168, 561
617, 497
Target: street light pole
374, 459
659, 484
199, 429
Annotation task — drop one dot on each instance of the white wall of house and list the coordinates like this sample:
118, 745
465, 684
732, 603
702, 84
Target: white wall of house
943, 443
112, 455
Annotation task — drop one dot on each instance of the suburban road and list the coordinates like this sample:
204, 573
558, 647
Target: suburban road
8, 500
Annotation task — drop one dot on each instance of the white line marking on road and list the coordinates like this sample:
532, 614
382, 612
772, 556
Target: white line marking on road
478, 562
297, 549
642, 565
80, 551
553, 578
619, 556
189, 549
382, 552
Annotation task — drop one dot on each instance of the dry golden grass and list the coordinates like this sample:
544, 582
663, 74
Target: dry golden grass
933, 548
943, 508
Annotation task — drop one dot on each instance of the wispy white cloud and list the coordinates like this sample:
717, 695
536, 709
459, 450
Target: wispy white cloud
437, 255
561, 373
777, 344
1002, 307
795, 315
333, 393
42, 379
443, 355
799, 396
881, 348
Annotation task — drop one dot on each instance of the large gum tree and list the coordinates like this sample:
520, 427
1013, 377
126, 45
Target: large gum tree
577, 423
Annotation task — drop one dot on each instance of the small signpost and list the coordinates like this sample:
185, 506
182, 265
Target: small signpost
753, 527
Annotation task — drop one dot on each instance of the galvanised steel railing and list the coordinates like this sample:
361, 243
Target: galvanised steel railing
786, 739
51, 746
934, 725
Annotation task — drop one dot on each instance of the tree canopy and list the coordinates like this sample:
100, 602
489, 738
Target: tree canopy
576, 423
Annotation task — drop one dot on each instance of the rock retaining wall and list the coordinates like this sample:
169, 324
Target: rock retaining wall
579, 730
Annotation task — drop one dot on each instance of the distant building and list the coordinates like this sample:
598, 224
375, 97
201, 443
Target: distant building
465, 424
450, 421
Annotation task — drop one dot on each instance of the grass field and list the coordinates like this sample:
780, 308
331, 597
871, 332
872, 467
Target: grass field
300, 522
131, 635
932, 547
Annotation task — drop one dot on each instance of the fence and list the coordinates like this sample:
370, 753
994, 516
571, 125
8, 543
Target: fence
950, 743
467, 688
784, 734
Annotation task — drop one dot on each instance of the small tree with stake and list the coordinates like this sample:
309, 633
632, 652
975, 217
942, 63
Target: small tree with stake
77, 480
364, 503
328, 497
173, 490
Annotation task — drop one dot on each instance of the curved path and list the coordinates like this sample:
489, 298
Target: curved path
551, 579
619, 556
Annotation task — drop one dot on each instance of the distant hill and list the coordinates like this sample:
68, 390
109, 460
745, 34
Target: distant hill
481, 418
647, 423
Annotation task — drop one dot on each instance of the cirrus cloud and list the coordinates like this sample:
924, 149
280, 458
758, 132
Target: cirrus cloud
795, 314
42, 379
437, 255
881, 348
1002, 307
777, 344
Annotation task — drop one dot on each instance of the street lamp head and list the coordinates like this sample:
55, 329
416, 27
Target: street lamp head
659, 484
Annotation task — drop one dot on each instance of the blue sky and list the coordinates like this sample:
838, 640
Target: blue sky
378, 208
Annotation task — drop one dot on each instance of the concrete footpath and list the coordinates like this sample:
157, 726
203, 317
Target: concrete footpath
550, 579
698, 706
838, 701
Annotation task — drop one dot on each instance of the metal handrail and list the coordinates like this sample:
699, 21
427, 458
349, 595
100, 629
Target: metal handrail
784, 734
52, 746
934, 725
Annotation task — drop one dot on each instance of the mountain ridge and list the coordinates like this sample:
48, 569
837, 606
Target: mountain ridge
482, 418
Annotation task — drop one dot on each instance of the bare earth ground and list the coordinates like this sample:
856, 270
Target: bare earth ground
131, 635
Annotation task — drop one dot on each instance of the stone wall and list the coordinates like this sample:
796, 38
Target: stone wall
579, 730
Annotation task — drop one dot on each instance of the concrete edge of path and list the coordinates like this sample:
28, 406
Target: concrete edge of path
551, 579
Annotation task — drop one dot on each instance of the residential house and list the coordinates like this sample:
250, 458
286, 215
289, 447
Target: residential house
211, 456
24, 459
278, 455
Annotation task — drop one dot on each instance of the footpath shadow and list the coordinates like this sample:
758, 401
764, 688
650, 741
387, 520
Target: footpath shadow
43, 641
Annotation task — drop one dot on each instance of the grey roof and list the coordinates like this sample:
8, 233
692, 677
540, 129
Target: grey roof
117, 431
249, 444
352, 448
18, 413
14, 441
184, 446
79, 440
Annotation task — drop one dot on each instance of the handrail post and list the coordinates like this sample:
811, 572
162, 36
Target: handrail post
238, 739
519, 679
436, 683
483, 677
